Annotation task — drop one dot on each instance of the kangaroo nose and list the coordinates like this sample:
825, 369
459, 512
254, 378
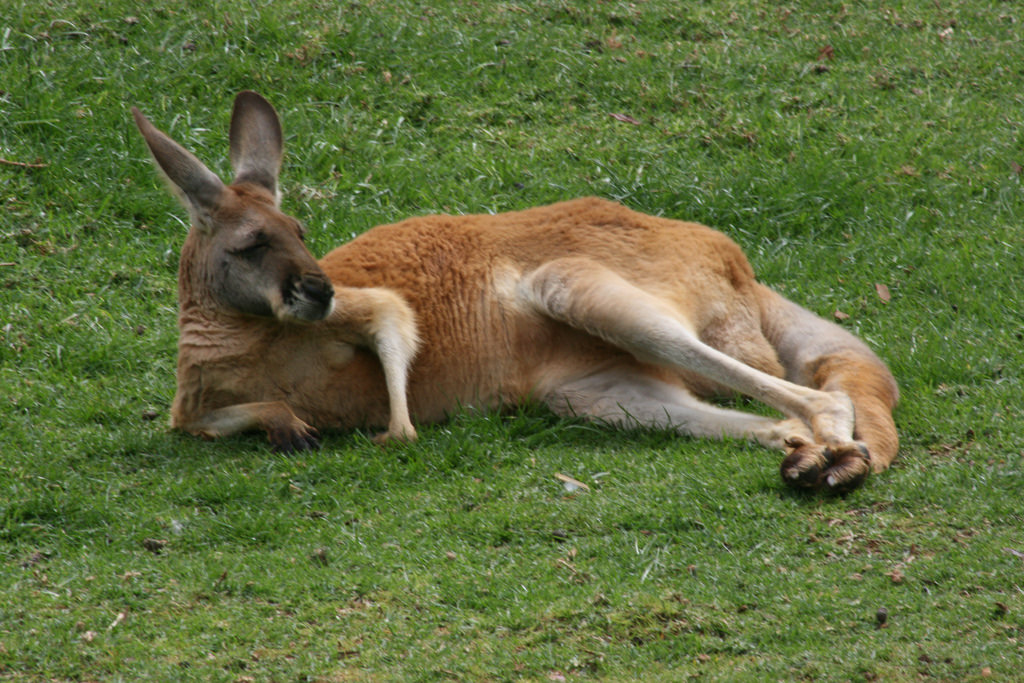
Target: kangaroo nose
317, 287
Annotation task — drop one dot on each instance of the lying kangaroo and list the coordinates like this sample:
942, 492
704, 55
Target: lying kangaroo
585, 306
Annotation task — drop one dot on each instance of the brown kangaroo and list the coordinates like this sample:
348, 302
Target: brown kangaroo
585, 306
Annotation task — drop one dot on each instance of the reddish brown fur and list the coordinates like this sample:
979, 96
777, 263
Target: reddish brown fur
444, 268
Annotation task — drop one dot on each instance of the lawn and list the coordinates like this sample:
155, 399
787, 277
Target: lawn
867, 156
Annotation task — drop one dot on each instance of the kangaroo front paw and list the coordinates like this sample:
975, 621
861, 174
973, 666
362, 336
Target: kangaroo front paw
297, 436
833, 469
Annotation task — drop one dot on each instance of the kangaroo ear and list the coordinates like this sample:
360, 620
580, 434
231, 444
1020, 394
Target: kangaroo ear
257, 144
198, 188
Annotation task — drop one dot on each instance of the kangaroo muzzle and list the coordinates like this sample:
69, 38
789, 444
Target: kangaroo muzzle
308, 298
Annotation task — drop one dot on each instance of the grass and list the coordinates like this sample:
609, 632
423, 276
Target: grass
844, 145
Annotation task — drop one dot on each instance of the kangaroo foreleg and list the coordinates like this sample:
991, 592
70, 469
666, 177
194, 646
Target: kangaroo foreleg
383, 322
284, 430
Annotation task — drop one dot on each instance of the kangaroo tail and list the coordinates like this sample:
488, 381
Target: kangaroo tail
822, 355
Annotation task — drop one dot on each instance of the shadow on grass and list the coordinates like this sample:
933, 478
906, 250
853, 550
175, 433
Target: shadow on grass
471, 443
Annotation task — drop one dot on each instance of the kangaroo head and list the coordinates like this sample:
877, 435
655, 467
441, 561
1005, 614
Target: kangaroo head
243, 255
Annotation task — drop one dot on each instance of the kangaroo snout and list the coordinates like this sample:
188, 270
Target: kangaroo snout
317, 287
310, 297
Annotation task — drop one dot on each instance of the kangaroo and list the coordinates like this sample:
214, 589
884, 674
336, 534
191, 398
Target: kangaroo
585, 306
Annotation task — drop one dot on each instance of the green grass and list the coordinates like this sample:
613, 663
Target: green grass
844, 145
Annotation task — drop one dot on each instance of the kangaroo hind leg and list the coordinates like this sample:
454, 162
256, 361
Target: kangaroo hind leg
631, 394
590, 297
823, 355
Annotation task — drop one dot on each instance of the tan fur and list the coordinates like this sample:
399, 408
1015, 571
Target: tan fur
586, 306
